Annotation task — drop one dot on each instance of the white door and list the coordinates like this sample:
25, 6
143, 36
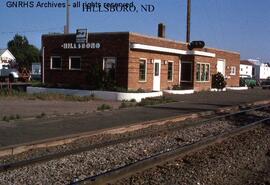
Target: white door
221, 67
156, 79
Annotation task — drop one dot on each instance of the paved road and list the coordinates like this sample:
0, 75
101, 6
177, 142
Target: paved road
26, 131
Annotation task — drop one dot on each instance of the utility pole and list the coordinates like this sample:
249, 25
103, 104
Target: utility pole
66, 29
188, 20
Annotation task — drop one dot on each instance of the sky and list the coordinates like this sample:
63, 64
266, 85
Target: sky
237, 25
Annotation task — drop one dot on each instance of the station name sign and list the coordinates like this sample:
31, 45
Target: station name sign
81, 36
92, 45
81, 41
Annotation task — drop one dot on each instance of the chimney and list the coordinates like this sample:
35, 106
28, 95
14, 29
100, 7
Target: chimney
161, 30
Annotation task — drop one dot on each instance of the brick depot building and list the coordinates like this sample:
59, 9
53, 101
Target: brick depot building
136, 61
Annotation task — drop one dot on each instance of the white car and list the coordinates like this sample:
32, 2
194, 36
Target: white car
7, 72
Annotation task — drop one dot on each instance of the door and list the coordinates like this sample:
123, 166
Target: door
156, 79
221, 67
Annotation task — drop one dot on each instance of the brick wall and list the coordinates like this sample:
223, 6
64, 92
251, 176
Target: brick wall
112, 45
231, 58
127, 68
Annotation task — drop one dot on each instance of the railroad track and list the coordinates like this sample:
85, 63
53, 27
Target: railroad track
158, 159
246, 124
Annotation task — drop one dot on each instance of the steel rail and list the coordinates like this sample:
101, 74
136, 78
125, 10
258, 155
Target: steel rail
11, 166
161, 158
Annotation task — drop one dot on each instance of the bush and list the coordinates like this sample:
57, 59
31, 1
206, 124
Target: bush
126, 104
176, 87
218, 81
104, 107
155, 101
242, 82
248, 82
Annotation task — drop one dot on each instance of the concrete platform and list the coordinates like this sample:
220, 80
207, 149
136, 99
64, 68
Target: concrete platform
12, 133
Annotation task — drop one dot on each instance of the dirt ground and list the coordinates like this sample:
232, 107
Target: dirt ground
32, 108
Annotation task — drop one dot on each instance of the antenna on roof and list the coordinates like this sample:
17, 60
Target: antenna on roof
66, 29
188, 20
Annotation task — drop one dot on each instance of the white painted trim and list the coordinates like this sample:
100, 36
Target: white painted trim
180, 65
43, 65
106, 95
158, 61
201, 53
209, 75
237, 88
143, 81
170, 61
159, 49
51, 63
170, 50
69, 63
233, 67
217, 90
179, 91
103, 63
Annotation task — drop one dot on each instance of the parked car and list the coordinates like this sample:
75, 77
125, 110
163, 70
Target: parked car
248, 81
6, 72
265, 84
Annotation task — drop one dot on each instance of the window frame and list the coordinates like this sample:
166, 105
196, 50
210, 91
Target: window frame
69, 63
234, 71
145, 73
103, 63
115, 66
51, 63
170, 80
200, 80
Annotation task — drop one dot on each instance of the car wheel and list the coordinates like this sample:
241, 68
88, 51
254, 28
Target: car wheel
11, 78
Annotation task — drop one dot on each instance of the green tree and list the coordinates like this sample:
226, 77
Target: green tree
25, 53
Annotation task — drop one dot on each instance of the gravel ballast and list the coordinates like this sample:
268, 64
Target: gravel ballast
99, 160
241, 160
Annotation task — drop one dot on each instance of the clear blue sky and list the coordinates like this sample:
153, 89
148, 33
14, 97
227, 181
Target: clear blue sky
239, 25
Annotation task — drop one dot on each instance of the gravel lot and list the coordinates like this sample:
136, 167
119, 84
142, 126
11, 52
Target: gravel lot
244, 159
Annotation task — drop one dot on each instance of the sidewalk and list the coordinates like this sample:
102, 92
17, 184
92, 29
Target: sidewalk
12, 133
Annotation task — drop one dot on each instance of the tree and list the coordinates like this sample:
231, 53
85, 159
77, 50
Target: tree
25, 53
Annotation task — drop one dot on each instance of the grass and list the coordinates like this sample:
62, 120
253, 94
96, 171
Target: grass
126, 104
155, 101
42, 115
104, 107
146, 102
43, 96
11, 117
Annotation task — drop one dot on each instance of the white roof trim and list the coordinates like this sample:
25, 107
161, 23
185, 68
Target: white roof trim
202, 53
159, 49
170, 50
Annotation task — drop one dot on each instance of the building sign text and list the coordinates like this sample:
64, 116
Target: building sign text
92, 45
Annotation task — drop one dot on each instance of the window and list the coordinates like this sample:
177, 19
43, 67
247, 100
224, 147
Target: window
109, 66
233, 70
75, 63
170, 71
142, 70
56, 62
156, 69
202, 72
